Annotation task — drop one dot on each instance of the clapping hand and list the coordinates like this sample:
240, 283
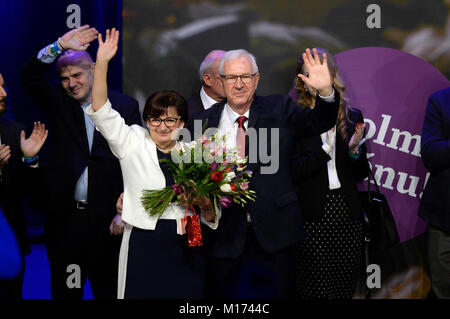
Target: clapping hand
79, 38
353, 145
108, 48
319, 78
5, 155
32, 145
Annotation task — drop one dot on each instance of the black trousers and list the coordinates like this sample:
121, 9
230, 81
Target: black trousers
255, 274
76, 250
11, 289
439, 261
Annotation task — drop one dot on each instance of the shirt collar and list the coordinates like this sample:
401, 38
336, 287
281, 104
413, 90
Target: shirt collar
233, 116
85, 106
206, 99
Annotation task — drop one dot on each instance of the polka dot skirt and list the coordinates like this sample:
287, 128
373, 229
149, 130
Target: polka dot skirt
328, 261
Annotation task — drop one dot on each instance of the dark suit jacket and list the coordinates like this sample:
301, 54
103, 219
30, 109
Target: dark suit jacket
275, 213
70, 151
15, 178
311, 173
195, 104
435, 150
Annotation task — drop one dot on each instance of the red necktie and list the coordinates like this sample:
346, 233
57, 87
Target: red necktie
240, 137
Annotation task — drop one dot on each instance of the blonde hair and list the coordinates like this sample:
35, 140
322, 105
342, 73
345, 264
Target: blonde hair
306, 99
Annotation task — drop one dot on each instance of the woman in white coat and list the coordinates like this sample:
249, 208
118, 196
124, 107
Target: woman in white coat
155, 260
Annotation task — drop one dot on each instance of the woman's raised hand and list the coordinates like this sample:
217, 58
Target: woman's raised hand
108, 48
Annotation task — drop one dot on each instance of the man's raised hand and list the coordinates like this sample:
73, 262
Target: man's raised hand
78, 39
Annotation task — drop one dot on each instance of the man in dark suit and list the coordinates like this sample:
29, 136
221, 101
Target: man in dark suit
83, 177
435, 203
212, 90
249, 252
18, 174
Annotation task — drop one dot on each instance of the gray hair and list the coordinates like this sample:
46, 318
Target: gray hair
234, 54
208, 62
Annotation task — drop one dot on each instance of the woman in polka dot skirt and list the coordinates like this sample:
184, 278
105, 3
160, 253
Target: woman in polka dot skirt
327, 167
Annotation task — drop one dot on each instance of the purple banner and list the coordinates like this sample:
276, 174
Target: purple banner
391, 88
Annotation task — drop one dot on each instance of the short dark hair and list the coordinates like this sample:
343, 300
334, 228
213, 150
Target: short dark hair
81, 59
158, 103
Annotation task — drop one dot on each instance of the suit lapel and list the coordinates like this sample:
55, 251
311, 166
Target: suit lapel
77, 126
254, 114
215, 114
253, 119
6, 135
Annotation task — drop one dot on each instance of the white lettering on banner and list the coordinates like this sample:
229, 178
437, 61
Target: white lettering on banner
426, 181
74, 20
390, 179
374, 19
396, 133
406, 142
403, 182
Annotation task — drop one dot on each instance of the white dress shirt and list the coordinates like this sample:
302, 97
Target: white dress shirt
333, 179
228, 126
206, 99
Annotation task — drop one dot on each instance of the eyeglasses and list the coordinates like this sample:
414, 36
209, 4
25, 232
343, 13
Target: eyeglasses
169, 122
245, 78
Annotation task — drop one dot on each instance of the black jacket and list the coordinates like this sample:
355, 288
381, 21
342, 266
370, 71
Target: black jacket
195, 104
275, 213
16, 180
435, 203
311, 173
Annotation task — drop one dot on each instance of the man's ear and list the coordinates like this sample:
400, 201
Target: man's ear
207, 79
257, 80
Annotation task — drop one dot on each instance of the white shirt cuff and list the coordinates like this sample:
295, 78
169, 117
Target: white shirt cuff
45, 56
329, 98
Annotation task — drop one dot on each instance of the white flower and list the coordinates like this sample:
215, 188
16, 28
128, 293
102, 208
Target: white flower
229, 176
226, 188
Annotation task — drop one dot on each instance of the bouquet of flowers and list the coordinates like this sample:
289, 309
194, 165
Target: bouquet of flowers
203, 167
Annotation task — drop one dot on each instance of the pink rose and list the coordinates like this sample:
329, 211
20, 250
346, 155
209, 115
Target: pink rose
243, 186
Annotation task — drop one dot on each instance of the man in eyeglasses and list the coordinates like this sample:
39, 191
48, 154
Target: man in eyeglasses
212, 90
249, 252
83, 177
